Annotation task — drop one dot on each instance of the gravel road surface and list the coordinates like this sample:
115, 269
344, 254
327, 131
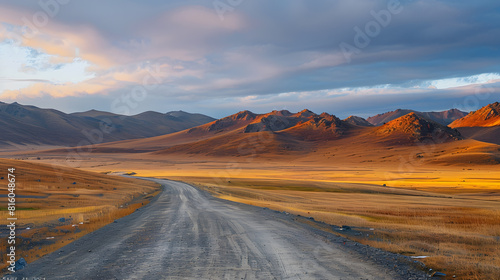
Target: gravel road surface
186, 233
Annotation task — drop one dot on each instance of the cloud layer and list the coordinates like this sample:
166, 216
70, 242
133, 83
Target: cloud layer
218, 56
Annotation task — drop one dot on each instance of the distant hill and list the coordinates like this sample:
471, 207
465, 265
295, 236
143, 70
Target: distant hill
278, 132
303, 124
94, 114
487, 116
444, 117
354, 120
283, 133
309, 137
413, 127
30, 125
320, 127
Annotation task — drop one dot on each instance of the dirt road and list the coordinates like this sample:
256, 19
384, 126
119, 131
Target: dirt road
187, 234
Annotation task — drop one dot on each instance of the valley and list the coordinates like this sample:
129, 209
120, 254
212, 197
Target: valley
411, 186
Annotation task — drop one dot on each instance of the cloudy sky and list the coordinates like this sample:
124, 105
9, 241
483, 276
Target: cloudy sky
217, 57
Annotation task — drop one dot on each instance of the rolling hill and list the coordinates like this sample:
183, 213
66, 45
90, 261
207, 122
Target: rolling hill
277, 132
249, 134
415, 128
283, 133
487, 116
303, 136
23, 126
482, 125
444, 117
354, 120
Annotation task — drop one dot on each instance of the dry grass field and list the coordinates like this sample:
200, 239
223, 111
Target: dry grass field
449, 213
85, 200
441, 201
458, 234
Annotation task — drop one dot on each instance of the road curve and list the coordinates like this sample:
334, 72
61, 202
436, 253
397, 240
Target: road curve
187, 234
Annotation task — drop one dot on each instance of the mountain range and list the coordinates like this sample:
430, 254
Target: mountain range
482, 125
444, 117
282, 132
279, 131
30, 125
487, 116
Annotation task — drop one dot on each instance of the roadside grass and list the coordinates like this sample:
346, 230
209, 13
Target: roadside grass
85, 200
51, 237
459, 235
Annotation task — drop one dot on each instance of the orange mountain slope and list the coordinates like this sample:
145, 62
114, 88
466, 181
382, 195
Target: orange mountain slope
245, 133
282, 133
444, 117
412, 127
277, 131
285, 136
487, 116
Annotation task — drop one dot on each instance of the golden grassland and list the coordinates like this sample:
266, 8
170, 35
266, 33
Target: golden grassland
440, 200
448, 212
86, 201
459, 234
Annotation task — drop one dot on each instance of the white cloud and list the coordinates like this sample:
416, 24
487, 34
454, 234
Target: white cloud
464, 81
25, 66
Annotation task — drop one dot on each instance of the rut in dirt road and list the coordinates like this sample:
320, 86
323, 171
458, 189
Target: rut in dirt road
187, 234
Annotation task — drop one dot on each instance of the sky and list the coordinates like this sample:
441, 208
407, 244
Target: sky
218, 57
